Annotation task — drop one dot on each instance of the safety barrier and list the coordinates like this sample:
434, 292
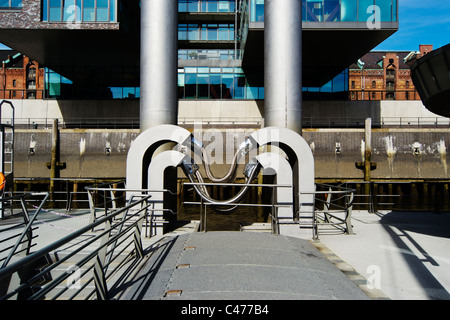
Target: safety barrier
16, 234
97, 254
225, 206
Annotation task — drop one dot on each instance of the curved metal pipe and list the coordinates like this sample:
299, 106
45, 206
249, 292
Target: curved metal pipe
230, 176
202, 192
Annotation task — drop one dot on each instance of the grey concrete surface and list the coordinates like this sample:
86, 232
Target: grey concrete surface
239, 265
404, 254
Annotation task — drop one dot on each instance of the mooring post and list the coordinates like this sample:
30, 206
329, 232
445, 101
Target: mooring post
367, 153
53, 161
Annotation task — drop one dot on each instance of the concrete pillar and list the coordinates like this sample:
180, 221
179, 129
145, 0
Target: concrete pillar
159, 29
283, 64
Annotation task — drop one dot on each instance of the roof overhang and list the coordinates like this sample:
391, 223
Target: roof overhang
328, 48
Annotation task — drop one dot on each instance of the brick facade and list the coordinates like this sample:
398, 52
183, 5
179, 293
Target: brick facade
21, 78
384, 76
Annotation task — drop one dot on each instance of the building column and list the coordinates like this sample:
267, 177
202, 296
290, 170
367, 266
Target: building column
159, 52
283, 64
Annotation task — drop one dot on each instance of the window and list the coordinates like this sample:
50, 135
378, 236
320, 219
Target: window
14, 83
79, 10
374, 84
257, 10
10, 4
353, 85
206, 32
336, 10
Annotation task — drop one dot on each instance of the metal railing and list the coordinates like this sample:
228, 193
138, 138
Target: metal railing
273, 205
308, 122
107, 197
15, 233
333, 208
96, 257
382, 122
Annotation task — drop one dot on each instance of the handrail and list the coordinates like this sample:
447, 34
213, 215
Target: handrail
274, 206
27, 231
103, 255
334, 207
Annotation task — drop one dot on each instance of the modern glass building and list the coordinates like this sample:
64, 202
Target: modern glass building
91, 48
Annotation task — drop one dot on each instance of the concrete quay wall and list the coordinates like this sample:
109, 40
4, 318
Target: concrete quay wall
399, 154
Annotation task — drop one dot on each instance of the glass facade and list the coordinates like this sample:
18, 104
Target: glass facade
98, 85
336, 10
206, 32
206, 5
213, 54
231, 83
10, 4
217, 83
79, 10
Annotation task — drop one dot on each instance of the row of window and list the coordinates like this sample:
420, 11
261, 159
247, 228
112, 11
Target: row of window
231, 83
209, 32
193, 83
206, 5
198, 54
10, 4
79, 10
337, 10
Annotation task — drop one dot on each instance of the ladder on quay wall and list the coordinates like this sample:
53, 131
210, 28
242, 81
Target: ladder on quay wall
7, 139
6, 147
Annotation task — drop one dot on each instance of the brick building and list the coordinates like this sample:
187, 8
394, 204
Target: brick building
384, 75
20, 76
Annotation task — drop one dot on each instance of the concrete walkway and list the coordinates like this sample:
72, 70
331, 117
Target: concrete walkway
405, 254
237, 265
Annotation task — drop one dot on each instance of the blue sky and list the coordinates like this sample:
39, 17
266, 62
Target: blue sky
421, 22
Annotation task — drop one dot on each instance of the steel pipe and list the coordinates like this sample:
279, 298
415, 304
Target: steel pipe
283, 64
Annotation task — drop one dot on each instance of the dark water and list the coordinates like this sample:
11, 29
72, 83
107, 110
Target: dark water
223, 221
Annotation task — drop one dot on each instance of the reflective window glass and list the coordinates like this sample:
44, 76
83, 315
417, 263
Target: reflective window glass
16, 3
239, 86
332, 10
365, 10
212, 6
349, 10
190, 86
314, 10
257, 10
385, 9
203, 86
227, 86
215, 81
